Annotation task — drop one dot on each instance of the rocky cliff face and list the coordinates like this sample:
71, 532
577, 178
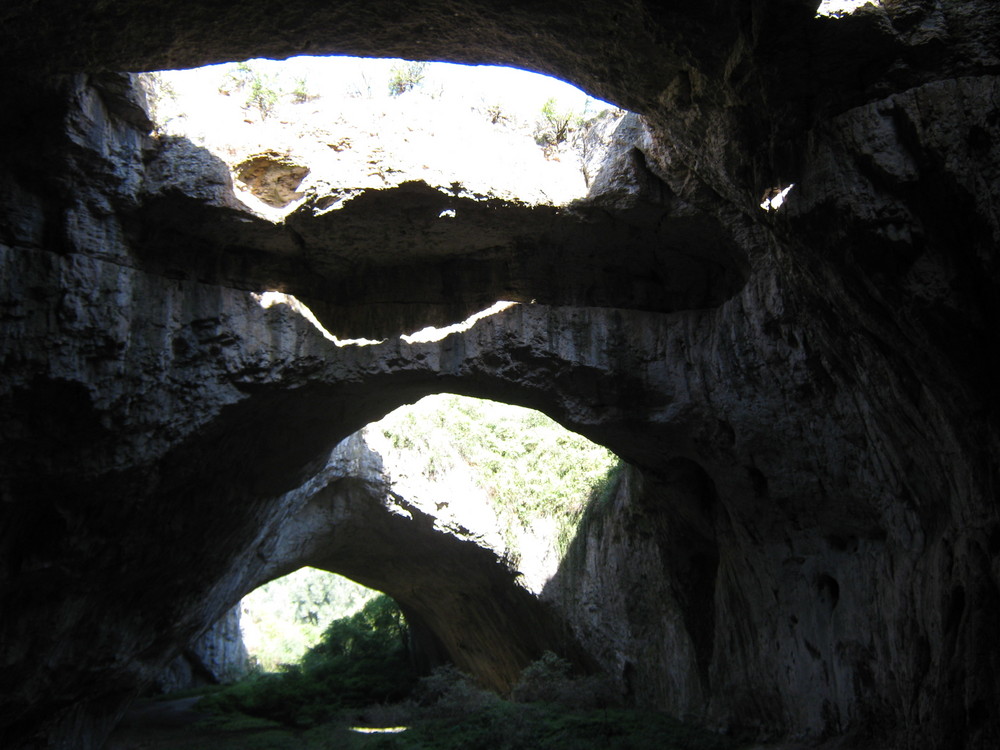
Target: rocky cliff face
218, 657
806, 396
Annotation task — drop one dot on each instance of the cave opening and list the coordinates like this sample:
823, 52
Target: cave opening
320, 130
282, 619
437, 596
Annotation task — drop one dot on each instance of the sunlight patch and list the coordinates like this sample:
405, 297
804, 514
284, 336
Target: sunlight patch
267, 299
430, 333
774, 198
841, 8
378, 730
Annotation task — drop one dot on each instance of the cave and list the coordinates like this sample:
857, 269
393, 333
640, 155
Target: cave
804, 545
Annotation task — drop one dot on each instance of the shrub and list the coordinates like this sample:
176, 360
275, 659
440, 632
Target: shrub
549, 680
555, 125
495, 113
300, 91
261, 88
406, 76
447, 691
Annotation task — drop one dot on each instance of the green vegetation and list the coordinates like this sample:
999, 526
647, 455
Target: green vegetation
406, 76
550, 710
556, 124
361, 659
510, 726
530, 466
286, 617
301, 92
260, 89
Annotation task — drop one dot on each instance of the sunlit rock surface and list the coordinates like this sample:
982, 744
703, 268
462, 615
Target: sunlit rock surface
806, 396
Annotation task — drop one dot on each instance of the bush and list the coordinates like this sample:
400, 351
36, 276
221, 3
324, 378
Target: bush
406, 76
447, 691
301, 92
261, 89
549, 680
555, 125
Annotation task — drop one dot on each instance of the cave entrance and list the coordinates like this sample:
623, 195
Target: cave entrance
460, 509
281, 620
468, 515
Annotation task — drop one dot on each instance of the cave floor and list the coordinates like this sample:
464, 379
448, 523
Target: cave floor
177, 724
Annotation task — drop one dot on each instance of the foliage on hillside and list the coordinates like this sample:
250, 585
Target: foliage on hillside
530, 466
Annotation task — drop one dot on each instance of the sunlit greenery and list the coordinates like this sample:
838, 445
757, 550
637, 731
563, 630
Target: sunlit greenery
405, 76
361, 659
530, 466
286, 617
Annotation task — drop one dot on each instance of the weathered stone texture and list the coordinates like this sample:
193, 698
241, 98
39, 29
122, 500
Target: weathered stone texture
217, 657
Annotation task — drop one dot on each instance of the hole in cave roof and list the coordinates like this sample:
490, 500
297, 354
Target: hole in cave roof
328, 126
430, 333
841, 8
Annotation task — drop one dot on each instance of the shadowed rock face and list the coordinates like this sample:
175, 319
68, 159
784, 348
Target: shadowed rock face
389, 261
808, 543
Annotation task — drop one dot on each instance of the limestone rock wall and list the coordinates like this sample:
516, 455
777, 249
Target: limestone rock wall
217, 657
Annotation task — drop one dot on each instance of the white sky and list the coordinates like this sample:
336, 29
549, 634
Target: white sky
837, 8
518, 91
